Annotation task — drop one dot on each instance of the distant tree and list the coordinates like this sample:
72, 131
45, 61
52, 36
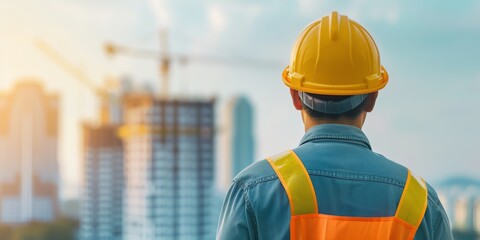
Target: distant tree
465, 235
5, 232
63, 229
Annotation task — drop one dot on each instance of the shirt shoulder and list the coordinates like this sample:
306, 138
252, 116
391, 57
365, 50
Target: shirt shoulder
435, 221
255, 173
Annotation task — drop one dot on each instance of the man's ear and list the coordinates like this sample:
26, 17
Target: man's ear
297, 102
370, 102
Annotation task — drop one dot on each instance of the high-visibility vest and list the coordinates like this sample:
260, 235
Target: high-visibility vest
307, 223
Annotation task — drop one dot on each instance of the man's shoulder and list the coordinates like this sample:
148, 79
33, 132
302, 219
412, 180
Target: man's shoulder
257, 172
433, 199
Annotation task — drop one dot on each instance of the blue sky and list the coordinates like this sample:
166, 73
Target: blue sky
426, 118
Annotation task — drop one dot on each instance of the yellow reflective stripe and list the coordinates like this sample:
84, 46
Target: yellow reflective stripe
296, 181
413, 202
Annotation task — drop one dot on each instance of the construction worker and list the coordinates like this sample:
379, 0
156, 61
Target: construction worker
332, 186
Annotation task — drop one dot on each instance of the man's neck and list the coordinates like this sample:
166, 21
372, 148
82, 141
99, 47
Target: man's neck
356, 122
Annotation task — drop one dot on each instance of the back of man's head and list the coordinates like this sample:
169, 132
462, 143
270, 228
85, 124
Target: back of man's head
335, 69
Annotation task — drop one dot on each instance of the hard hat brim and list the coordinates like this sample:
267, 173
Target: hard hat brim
335, 90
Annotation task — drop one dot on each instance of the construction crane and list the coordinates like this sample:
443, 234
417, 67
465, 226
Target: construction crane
78, 74
166, 58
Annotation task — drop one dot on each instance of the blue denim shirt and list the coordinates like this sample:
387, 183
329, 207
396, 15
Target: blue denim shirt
349, 180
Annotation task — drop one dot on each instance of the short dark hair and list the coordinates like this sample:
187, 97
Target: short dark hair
352, 114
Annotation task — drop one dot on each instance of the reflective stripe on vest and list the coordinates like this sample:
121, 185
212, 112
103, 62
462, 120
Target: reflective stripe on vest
413, 202
301, 194
296, 181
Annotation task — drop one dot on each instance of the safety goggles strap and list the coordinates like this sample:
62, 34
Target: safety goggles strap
296, 182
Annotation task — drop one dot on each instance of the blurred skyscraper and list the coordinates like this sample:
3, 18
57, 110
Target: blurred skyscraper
103, 186
461, 198
169, 153
116, 89
28, 154
239, 142
103, 179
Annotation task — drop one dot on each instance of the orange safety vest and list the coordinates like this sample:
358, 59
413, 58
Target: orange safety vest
306, 223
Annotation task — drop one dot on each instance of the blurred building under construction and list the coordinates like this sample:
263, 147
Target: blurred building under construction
28, 154
101, 215
169, 168
103, 185
166, 151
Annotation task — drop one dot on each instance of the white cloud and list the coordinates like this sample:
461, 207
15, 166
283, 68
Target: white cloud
252, 12
310, 7
217, 18
88, 14
162, 12
360, 10
365, 10
392, 15
226, 21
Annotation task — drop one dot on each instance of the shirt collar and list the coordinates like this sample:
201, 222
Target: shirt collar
337, 133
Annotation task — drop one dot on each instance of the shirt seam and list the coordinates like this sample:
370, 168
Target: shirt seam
249, 206
331, 174
437, 223
338, 138
363, 177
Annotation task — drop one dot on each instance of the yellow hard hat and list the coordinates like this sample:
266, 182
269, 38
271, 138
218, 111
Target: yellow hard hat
335, 56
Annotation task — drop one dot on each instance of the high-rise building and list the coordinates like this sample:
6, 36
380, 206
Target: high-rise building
103, 184
476, 213
460, 218
101, 216
238, 140
28, 154
169, 162
460, 197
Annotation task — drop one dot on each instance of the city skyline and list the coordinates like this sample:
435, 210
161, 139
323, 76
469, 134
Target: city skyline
86, 122
103, 194
418, 49
460, 197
